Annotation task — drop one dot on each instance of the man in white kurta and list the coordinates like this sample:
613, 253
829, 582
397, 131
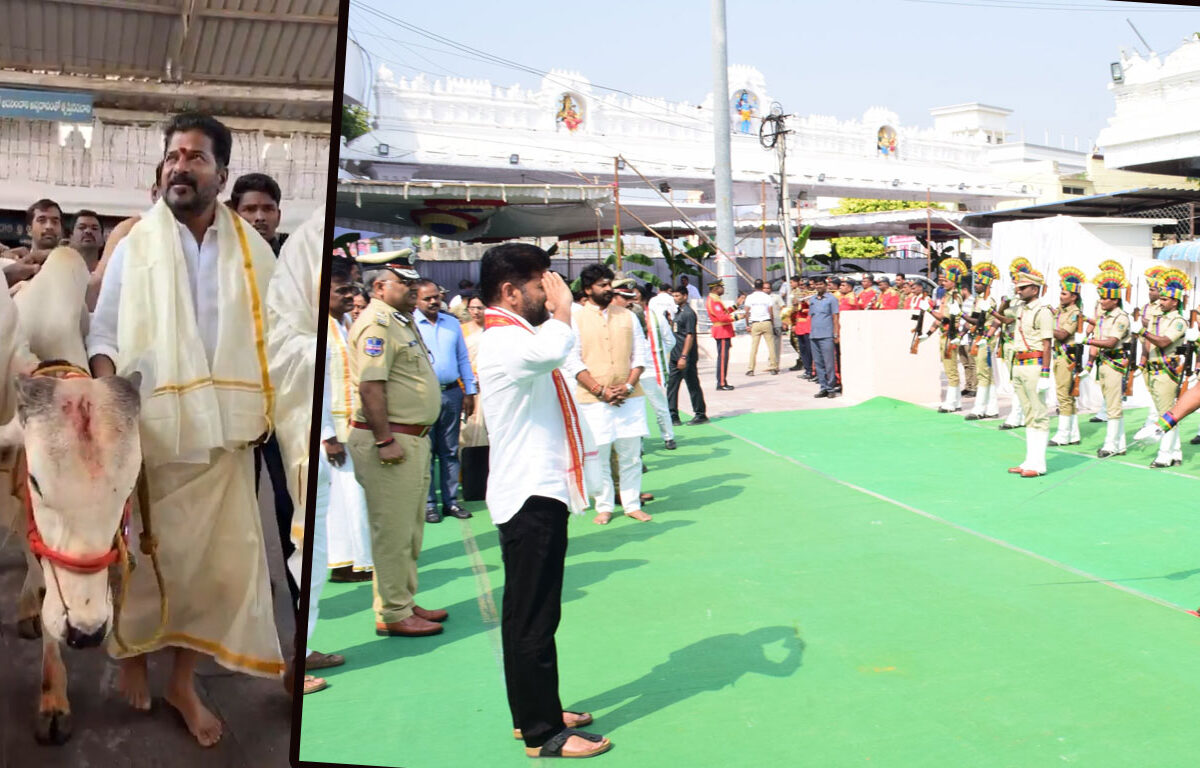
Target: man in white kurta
349, 552
659, 343
183, 303
606, 362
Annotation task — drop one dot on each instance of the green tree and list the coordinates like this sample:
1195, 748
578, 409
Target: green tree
355, 121
677, 264
868, 247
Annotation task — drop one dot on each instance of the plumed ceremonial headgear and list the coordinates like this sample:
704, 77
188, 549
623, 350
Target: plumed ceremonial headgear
1154, 274
1173, 283
1020, 264
985, 273
953, 269
1112, 266
1109, 283
1072, 279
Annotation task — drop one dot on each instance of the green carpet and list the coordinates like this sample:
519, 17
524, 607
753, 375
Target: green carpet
860, 586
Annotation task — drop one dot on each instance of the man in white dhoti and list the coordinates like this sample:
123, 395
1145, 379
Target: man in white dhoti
349, 554
183, 303
606, 361
293, 320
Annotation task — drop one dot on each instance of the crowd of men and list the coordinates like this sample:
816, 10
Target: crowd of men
408, 373
184, 293
1053, 351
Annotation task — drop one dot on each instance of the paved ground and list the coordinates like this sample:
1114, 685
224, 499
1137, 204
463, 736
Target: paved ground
107, 734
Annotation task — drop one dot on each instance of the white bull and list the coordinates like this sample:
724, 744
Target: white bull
68, 493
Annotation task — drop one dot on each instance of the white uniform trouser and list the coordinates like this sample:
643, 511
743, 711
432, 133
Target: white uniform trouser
318, 532
349, 534
658, 400
629, 470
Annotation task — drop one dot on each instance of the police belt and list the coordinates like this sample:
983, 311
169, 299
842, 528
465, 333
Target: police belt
1028, 356
415, 430
1168, 365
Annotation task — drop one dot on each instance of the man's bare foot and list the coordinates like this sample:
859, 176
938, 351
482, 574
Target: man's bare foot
602, 518
638, 514
131, 682
203, 724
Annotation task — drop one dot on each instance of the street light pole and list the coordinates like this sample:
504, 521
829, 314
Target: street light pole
722, 164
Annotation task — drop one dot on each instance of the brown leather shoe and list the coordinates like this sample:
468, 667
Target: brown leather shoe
438, 615
413, 626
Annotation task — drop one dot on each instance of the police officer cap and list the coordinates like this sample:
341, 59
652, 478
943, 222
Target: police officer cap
397, 262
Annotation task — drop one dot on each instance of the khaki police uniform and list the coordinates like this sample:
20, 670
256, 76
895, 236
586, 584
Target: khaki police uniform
386, 346
981, 361
1148, 313
970, 380
1111, 363
1067, 319
948, 346
1163, 365
1034, 324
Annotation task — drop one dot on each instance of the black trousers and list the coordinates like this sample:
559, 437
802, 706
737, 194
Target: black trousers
692, 378
269, 451
533, 545
804, 347
723, 346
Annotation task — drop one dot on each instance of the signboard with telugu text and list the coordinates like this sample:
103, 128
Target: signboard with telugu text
56, 106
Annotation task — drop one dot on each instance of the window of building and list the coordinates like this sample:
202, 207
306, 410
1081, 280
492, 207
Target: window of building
1074, 191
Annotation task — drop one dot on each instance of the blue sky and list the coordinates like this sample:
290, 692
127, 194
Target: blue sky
1047, 60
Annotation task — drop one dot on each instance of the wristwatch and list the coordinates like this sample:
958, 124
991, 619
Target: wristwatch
628, 388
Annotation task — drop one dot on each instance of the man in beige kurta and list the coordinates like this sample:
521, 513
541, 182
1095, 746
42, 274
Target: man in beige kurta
183, 303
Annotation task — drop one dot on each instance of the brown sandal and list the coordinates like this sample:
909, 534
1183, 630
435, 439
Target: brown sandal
314, 684
570, 719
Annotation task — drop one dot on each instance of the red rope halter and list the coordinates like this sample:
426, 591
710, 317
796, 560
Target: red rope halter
37, 545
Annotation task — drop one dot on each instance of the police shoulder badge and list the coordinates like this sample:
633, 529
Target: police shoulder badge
381, 318
373, 346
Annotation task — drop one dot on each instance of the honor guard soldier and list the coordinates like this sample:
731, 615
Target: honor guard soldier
1110, 265
1030, 372
1114, 362
1164, 335
1007, 316
1145, 315
399, 400
979, 320
1068, 349
948, 313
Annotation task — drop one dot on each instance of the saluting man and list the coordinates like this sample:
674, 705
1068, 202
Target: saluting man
979, 320
1164, 335
1032, 332
399, 401
1068, 329
1109, 337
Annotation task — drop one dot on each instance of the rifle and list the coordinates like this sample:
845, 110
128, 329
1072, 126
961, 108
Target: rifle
978, 331
1189, 358
917, 329
1130, 350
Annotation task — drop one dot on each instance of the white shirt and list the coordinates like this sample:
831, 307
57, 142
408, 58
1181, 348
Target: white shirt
201, 259
693, 293
575, 364
759, 304
529, 450
663, 302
